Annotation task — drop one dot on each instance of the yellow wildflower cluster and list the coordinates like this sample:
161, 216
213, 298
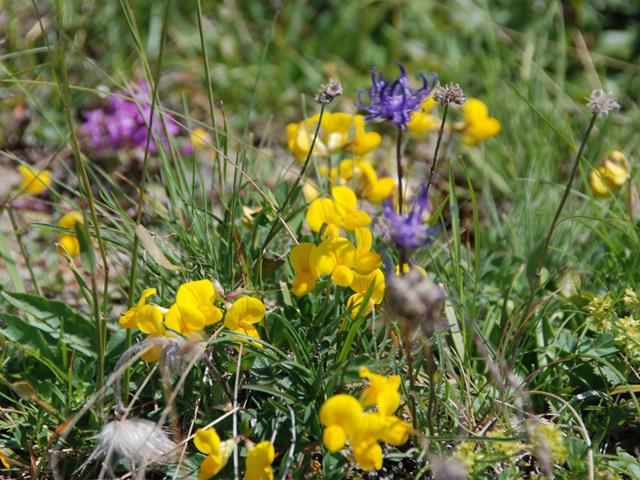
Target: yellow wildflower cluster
549, 437
475, 127
68, 241
193, 310
259, 458
347, 264
338, 132
345, 420
626, 329
611, 175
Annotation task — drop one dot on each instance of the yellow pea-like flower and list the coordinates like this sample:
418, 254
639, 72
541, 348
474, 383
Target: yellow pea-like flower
304, 260
382, 391
259, 460
369, 185
242, 316
363, 142
365, 260
478, 125
69, 241
33, 181
336, 257
423, 122
208, 442
360, 286
610, 176
129, 319
194, 308
341, 416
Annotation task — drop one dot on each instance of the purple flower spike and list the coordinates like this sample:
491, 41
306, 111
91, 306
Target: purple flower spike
408, 230
122, 123
395, 101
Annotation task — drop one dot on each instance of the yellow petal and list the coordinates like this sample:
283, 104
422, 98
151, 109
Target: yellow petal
149, 320
70, 244
423, 123
368, 455
303, 283
310, 192
617, 174
70, 219
184, 319
598, 184
152, 354
388, 401
342, 276
380, 190
128, 318
146, 293
396, 432
209, 467
366, 143
355, 219
342, 410
334, 438
33, 181
345, 198
304, 257
245, 310
259, 461
364, 239
367, 263
474, 110
322, 211
207, 441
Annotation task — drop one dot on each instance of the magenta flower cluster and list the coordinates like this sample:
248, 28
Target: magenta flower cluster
394, 101
123, 122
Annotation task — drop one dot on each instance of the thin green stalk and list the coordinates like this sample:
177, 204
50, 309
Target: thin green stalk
81, 172
399, 168
434, 162
275, 225
567, 190
23, 250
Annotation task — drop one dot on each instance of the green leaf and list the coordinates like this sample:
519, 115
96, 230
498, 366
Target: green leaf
87, 254
57, 320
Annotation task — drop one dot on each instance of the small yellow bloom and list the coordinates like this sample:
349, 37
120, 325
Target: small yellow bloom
259, 460
360, 286
242, 316
423, 122
366, 261
336, 257
33, 181
478, 125
69, 241
217, 452
129, 319
200, 138
341, 212
366, 449
341, 416
368, 185
611, 176
304, 260
382, 391
338, 131
194, 308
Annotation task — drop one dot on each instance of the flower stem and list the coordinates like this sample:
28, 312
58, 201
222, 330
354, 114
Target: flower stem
434, 162
399, 168
275, 225
574, 170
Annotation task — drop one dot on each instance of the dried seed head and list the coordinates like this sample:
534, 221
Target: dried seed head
601, 102
416, 300
137, 440
328, 92
450, 93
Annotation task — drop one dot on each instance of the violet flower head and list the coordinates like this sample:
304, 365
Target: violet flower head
123, 123
408, 230
395, 101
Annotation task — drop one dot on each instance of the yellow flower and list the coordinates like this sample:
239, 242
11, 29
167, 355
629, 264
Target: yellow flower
611, 176
341, 416
310, 191
478, 125
338, 131
423, 122
360, 286
194, 308
336, 257
242, 316
369, 185
217, 452
304, 260
200, 138
148, 319
33, 181
382, 391
69, 241
341, 212
129, 319
366, 261
366, 449
259, 460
